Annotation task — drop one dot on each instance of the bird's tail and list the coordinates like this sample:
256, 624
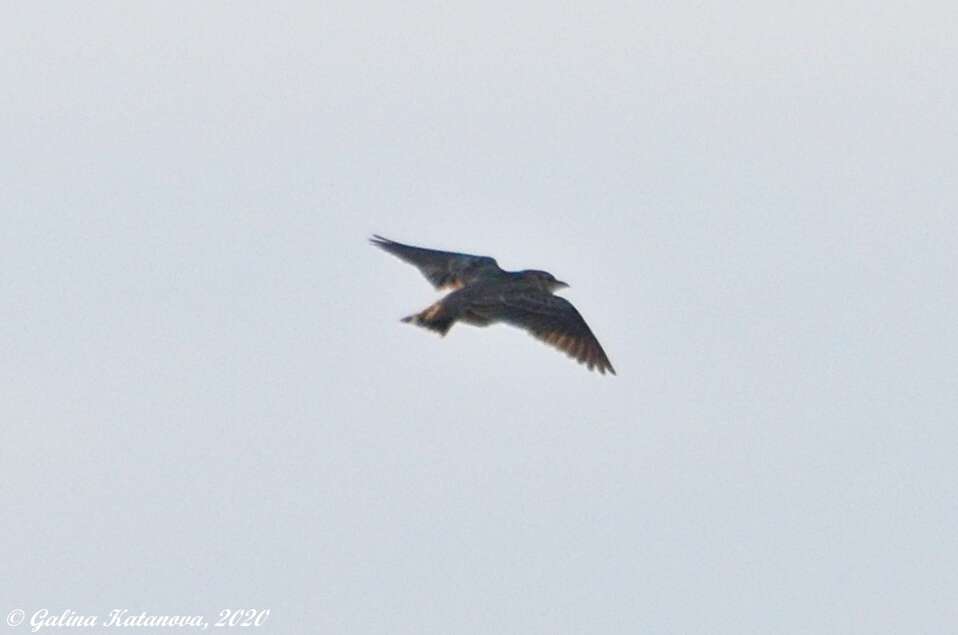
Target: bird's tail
435, 318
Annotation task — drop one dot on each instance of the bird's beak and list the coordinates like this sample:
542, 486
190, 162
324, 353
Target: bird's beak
559, 284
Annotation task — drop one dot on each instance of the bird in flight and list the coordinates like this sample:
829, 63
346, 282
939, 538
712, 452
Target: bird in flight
483, 294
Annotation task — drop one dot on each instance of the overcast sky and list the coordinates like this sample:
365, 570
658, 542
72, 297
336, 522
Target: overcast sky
208, 400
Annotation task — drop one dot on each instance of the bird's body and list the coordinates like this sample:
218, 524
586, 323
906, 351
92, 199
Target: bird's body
484, 294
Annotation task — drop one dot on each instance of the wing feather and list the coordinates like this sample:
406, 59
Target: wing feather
555, 321
444, 269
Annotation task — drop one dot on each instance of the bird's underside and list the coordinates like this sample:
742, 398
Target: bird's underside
483, 294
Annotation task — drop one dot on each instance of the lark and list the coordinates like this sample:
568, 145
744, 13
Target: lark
482, 294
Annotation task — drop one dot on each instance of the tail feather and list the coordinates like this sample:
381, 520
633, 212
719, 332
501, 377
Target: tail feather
433, 318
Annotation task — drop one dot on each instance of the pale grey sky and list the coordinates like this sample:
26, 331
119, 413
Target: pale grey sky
209, 402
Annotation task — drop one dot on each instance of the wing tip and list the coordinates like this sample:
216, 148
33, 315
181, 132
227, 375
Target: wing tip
606, 366
579, 349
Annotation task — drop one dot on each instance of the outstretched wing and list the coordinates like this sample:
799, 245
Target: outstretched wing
444, 269
553, 320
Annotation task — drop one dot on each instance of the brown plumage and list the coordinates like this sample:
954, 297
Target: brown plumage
484, 294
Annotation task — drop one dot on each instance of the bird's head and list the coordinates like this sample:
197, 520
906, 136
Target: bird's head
543, 279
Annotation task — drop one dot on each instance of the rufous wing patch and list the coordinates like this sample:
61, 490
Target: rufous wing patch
580, 349
453, 284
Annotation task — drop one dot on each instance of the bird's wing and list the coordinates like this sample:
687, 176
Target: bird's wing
553, 320
444, 269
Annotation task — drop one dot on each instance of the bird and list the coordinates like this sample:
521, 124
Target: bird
481, 293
